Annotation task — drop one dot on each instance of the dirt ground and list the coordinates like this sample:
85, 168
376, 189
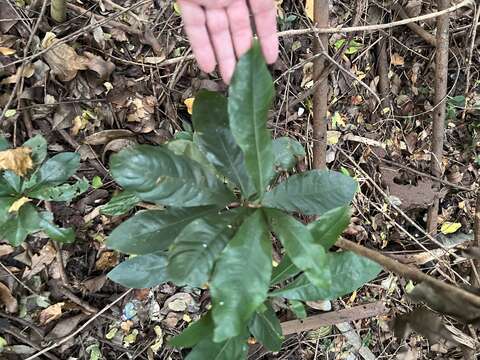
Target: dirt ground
131, 72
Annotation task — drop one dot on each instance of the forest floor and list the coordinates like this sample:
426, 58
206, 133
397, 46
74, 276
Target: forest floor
135, 74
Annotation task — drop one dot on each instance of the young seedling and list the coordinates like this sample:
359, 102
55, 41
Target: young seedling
25, 177
221, 209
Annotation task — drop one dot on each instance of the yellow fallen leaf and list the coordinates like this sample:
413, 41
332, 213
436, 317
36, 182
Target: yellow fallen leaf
51, 313
189, 104
5, 51
309, 9
18, 204
397, 60
333, 137
18, 160
450, 228
177, 8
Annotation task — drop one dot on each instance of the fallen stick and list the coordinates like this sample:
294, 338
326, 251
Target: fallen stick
334, 317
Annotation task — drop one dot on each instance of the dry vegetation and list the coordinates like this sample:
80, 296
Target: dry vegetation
402, 105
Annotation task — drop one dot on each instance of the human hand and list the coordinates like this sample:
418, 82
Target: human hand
220, 31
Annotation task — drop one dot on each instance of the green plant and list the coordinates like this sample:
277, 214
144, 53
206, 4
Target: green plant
221, 209
25, 177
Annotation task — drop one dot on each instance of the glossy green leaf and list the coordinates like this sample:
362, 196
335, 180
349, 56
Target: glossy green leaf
66, 236
65, 192
140, 272
284, 271
250, 96
349, 272
58, 169
5, 203
154, 230
6, 189
20, 225
38, 144
191, 150
193, 334
301, 247
120, 204
326, 230
4, 144
156, 174
232, 349
241, 278
266, 328
214, 137
14, 181
298, 309
287, 152
196, 248
312, 193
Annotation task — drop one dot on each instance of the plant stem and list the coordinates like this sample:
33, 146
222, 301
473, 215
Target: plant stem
438, 128
320, 97
407, 272
58, 10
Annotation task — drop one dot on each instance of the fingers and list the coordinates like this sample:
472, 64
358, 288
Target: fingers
195, 26
265, 15
219, 29
240, 26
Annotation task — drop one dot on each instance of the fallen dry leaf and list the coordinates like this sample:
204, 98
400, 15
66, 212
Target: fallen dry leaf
309, 6
105, 136
65, 63
18, 160
107, 260
66, 326
50, 314
5, 51
95, 284
189, 104
141, 109
7, 299
419, 196
39, 261
397, 60
6, 250
18, 204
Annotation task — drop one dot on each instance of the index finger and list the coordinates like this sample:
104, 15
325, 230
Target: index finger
265, 14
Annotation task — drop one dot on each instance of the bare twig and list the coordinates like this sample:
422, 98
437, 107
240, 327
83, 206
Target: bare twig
408, 272
23, 61
417, 29
320, 97
476, 239
378, 27
334, 317
438, 125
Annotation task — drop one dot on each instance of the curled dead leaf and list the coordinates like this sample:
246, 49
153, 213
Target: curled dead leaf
6, 250
7, 299
105, 136
107, 260
51, 313
39, 261
18, 204
18, 160
65, 63
189, 104
142, 109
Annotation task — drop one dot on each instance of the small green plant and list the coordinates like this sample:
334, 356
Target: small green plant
221, 207
25, 176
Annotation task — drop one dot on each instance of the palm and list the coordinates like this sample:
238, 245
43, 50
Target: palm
220, 31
